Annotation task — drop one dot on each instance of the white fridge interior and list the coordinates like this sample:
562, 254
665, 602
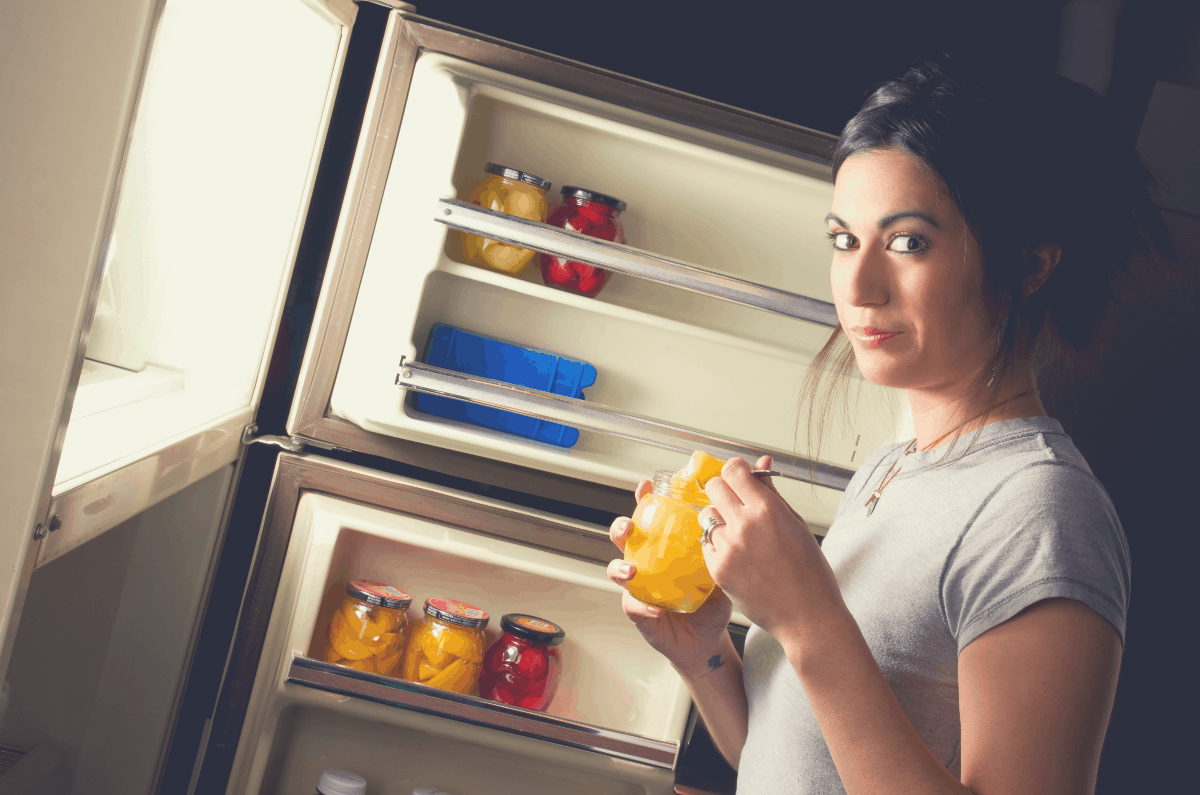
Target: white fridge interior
660, 352
614, 725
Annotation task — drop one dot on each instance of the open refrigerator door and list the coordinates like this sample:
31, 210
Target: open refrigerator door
225, 108
701, 340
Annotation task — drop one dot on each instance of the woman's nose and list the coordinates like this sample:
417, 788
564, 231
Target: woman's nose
863, 278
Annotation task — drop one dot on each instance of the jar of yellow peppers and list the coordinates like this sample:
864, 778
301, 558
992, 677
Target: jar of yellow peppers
512, 192
446, 648
664, 542
369, 629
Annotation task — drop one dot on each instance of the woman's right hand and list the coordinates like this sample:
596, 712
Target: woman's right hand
688, 640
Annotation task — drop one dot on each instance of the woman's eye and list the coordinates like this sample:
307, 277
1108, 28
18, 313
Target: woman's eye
843, 241
907, 244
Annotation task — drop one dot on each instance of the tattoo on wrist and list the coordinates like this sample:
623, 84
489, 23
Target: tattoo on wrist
715, 662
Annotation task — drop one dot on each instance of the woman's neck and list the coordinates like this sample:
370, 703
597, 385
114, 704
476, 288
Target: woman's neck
938, 413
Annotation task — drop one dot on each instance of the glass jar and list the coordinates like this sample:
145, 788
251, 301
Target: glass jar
369, 629
522, 667
664, 544
511, 192
446, 648
588, 213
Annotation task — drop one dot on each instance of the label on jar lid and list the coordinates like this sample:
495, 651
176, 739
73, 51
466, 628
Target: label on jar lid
378, 593
532, 628
454, 612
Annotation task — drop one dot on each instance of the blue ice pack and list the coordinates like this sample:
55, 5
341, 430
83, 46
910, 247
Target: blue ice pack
454, 349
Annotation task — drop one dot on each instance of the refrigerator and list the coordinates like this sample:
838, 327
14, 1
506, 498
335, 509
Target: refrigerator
178, 547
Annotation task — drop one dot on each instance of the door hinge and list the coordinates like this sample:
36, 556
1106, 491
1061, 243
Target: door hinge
43, 530
293, 444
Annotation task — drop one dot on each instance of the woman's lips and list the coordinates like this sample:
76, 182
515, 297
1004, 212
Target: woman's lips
874, 337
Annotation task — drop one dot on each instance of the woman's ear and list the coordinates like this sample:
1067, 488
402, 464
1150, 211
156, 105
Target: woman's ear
1042, 261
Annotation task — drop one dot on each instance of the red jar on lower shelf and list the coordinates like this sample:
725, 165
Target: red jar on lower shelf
523, 666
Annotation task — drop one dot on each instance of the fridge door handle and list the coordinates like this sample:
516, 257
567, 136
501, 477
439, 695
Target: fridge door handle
547, 239
433, 380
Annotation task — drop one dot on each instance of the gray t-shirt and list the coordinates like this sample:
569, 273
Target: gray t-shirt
952, 549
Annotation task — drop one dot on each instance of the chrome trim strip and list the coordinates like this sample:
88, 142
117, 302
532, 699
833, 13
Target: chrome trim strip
548, 239
406, 37
417, 697
604, 419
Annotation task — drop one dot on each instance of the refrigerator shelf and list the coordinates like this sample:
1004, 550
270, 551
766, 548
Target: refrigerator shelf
604, 419
547, 239
330, 678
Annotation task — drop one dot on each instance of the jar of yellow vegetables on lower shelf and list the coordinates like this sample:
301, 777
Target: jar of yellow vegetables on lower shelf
369, 629
446, 648
664, 542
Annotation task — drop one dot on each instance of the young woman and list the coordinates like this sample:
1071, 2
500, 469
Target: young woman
961, 629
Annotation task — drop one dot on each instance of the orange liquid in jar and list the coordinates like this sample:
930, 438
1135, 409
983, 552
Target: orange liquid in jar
664, 544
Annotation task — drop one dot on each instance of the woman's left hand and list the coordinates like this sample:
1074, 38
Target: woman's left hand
765, 557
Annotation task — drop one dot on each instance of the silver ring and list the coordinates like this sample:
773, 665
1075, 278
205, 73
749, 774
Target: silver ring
709, 525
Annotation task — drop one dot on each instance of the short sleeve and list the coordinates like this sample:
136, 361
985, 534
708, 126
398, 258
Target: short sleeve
1048, 531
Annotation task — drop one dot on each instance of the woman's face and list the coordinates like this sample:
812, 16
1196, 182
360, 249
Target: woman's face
907, 275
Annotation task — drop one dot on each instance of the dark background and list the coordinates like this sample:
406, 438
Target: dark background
1131, 415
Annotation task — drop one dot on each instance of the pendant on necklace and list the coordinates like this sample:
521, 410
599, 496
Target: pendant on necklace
871, 502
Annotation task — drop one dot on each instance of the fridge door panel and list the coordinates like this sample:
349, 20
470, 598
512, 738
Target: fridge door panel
705, 184
68, 91
230, 124
620, 711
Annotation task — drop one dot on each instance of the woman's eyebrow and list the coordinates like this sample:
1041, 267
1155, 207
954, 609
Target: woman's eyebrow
888, 220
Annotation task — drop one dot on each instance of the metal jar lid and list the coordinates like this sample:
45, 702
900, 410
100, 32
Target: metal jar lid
520, 176
378, 593
454, 612
593, 196
538, 630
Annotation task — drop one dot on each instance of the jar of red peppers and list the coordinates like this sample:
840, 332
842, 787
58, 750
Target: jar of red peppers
588, 213
522, 667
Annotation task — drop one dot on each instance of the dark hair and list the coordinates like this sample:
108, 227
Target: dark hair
1028, 160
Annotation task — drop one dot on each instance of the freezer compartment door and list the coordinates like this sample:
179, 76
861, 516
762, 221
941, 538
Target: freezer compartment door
718, 304
617, 719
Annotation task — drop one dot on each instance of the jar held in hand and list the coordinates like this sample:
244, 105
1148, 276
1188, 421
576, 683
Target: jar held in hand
523, 666
512, 192
664, 544
369, 629
588, 213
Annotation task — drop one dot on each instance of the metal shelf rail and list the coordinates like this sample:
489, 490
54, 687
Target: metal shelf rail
604, 419
632, 261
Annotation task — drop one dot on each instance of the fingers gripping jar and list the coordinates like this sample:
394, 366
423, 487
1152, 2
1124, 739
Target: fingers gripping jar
522, 667
369, 629
446, 648
511, 192
664, 544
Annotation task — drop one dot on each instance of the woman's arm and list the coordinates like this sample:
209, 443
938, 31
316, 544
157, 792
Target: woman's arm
716, 688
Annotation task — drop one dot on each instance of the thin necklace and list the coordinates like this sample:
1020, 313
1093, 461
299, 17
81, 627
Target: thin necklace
898, 464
